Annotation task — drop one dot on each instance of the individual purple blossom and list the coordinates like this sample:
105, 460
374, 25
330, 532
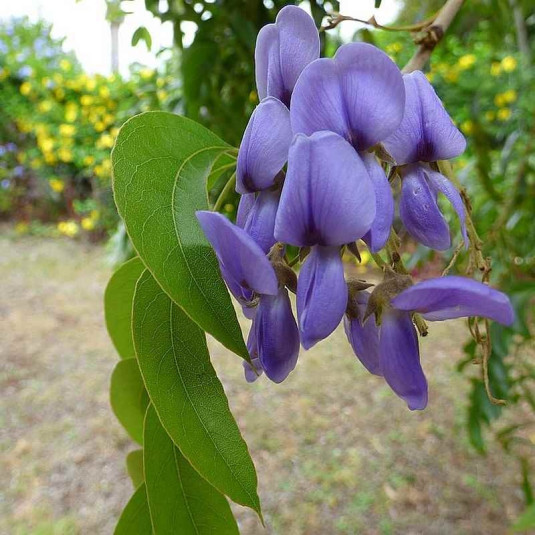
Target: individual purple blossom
391, 348
247, 271
426, 133
264, 147
419, 210
256, 215
325, 203
283, 50
359, 94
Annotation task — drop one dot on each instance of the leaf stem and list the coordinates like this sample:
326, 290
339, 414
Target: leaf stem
224, 192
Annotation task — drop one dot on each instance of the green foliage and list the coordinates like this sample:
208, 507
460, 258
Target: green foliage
129, 398
187, 394
135, 518
161, 162
180, 500
134, 467
120, 291
57, 126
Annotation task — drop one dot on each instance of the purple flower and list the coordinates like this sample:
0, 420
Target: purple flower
252, 374
418, 207
283, 50
391, 349
379, 232
256, 215
455, 297
244, 265
326, 202
321, 294
359, 95
264, 147
426, 132
277, 336
328, 196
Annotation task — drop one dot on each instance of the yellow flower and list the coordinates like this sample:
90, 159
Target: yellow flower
65, 154
394, 48
504, 114
4, 73
160, 82
56, 184
253, 96
86, 100
105, 141
60, 93
490, 115
104, 91
71, 112
499, 100
89, 160
45, 106
114, 131
430, 76
65, 65
146, 74
509, 64
88, 223
100, 126
58, 78
466, 61
50, 158
509, 96
467, 127
495, 68
452, 75
94, 214
68, 228
45, 81
91, 84
67, 130
162, 95
36, 163
46, 144
22, 227
25, 88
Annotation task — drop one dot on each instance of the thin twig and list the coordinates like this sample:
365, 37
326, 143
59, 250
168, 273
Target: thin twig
433, 35
224, 192
334, 19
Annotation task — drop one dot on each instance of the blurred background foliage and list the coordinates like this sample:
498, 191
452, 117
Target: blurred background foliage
57, 125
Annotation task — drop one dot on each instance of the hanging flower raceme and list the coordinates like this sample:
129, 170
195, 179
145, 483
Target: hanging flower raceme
426, 134
390, 347
282, 51
249, 275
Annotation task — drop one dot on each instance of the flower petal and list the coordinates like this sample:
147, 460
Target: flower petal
264, 147
244, 207
455, 297
321, 294
400, 359
440, 183
328, 196
241, 259
283, 50
359, 95
379, 232
260, 222
364, 338
426, 132
419, 210
277, 336
252, 374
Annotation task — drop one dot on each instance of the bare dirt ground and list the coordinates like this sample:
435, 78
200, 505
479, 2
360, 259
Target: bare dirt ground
336, 452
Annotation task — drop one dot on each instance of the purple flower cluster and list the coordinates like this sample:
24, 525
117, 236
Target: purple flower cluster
309, 177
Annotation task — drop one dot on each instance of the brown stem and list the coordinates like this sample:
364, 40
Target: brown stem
336, 18
433, 34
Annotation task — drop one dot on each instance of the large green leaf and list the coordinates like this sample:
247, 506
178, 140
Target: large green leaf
134, 467
180, 500
118, 306
187, 395
135, 518
160, 165
129, 398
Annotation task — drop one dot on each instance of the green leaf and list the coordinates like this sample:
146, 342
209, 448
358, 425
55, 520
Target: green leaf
129, 398
142, 34
180, 500
134, 467
526, 521
118, 306
160, 165
187, 395
135, 518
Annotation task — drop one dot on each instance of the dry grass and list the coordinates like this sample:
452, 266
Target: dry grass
336, 452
